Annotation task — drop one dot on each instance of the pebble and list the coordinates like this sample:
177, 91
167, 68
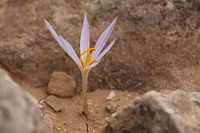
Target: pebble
111, 107
61, 84
54, 103
111, 95
42, 104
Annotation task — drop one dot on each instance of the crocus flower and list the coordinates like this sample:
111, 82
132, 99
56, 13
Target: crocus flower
89, 57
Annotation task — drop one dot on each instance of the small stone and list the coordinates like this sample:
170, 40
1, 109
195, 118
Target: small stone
128, 95
42, 104
170, 5
54, 103
111, 95
90, 103
61, 85
111, 107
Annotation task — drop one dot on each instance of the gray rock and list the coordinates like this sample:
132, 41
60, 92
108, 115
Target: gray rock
49, 119
154, 112
61, 85
19, 112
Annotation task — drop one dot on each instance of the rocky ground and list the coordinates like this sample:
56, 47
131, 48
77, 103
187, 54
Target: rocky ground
157, 41
157, 48
64, 115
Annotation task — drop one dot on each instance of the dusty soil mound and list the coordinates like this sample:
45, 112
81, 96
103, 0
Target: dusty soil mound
157, 41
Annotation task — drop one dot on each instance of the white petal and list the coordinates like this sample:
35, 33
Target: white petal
70, 51
106, 49
85, 39
103, 39
52, 31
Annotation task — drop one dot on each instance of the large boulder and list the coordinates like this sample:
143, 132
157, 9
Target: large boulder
154, 112
19, 112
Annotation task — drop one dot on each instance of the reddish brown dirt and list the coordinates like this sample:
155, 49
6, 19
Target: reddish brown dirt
71, 119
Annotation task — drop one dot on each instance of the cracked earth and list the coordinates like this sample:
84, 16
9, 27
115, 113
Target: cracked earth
70, 119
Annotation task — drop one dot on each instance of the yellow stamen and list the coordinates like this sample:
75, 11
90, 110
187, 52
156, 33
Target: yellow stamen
92, 62
88, 57
87, 51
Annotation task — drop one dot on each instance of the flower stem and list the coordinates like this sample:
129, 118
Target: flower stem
85, 74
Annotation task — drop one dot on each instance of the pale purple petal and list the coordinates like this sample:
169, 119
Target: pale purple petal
69, 50
93, 65
106, 49
52, 31
103, 39
64, 44
102, 54
85, 39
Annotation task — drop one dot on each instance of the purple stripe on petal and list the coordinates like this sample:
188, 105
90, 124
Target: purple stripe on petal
103, 39
85, 39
